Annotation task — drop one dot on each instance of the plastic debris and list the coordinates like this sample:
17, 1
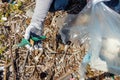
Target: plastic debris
38, 38
4, 18
25, 42
86, 58
1, 68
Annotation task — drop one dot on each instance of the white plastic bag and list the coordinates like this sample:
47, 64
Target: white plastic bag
104, 33
102, 26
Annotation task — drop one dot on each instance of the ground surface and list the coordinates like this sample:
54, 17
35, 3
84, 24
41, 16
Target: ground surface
55, 62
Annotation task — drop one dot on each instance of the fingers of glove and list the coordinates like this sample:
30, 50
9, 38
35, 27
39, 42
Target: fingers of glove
35, 47
32, 31
38, 46
29, 47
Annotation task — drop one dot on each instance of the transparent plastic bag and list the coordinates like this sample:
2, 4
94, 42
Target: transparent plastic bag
102, 27
104, 33
74, 28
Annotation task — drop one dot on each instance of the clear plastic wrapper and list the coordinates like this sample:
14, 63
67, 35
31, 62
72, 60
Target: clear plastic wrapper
101, 25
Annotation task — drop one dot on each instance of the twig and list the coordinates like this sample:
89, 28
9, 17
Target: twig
12, 59
33, 3
47, 55
38, 56
62, 59
51, 51
39, 66
5, 70
26, 59
66, 48
66, 74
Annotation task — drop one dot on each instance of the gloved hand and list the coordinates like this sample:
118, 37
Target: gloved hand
32, 31
35, 27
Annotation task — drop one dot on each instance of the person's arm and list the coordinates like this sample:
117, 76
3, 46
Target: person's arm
40, 12
35, 27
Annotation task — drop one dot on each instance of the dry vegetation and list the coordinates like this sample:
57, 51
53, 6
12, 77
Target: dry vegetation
55, 62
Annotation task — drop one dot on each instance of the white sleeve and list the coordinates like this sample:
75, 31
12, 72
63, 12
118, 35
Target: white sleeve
40, 12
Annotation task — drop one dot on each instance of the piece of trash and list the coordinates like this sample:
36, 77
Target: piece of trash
86, 58
25, 42
38, 38
4, 18
1, 68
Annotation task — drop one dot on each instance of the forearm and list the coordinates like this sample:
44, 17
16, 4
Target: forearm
40, 12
